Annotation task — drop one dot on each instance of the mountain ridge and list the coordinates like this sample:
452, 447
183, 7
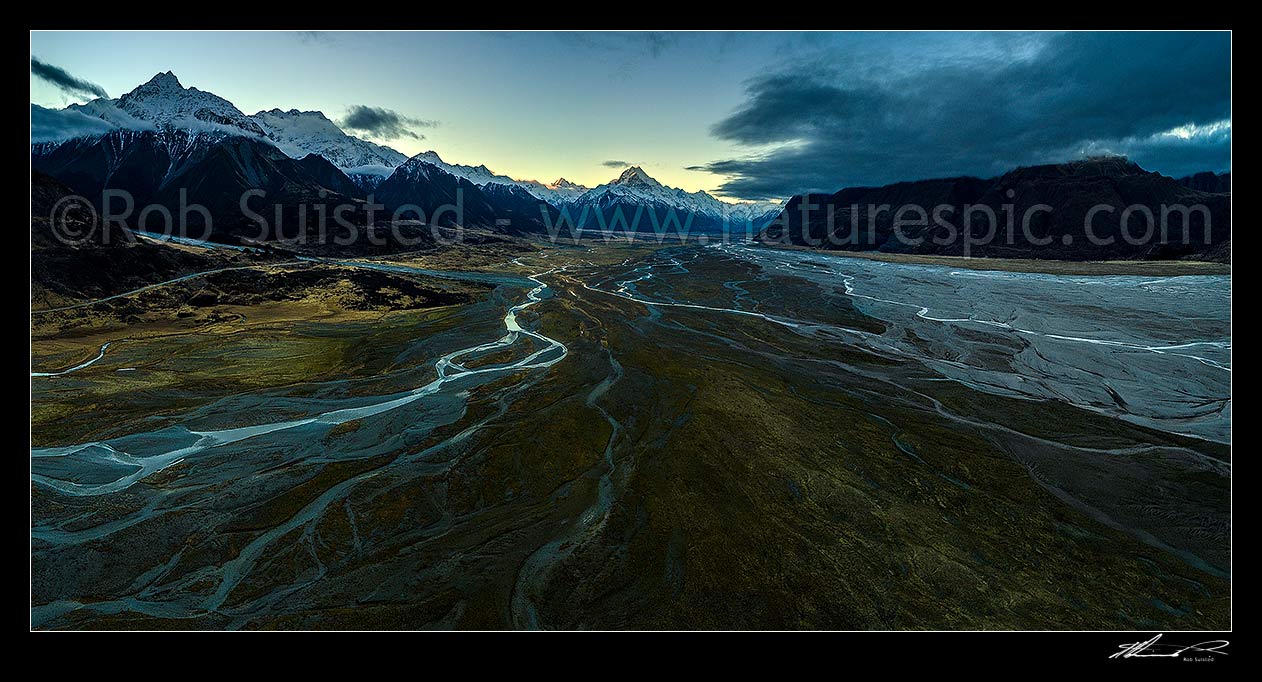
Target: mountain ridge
1058, 199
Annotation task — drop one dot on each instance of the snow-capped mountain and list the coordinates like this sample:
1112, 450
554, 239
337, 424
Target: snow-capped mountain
298, 133
634, 187
479, 175
755, 212
556, 193
163, 103
559, 192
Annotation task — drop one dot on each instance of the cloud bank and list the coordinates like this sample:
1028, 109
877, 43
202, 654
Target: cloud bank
56, 125
1164, 99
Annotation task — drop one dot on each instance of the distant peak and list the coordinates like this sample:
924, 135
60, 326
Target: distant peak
562, 183
636, 176
165, 80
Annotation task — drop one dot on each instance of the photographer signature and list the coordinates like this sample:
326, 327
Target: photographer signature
1152, 649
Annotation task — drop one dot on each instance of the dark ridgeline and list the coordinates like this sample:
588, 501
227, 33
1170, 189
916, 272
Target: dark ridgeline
840, 221
501, 208
1206, 181
518, 211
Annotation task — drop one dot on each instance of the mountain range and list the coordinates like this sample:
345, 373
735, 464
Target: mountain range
163, 139
171, 145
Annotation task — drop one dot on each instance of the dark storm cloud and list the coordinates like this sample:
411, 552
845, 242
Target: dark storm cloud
65, 80
384, 123
1076, 94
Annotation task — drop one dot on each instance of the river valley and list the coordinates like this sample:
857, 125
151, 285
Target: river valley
651, 436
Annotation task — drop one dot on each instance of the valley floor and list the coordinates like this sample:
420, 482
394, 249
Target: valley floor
632, 436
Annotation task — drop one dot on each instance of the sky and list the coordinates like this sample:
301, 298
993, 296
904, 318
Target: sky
746, 116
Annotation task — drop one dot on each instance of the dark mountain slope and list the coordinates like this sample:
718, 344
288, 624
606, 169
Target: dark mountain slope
220, 176
518, 211
135, 161
76, 259
1034, 212
329, 176
1215, 183
448, 200
178, 169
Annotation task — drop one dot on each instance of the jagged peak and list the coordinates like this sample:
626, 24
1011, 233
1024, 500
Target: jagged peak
562, 183
425, 160
293, 113
636, 176
165, 80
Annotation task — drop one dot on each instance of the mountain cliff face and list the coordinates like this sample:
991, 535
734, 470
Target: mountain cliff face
1057, 199
137, 161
